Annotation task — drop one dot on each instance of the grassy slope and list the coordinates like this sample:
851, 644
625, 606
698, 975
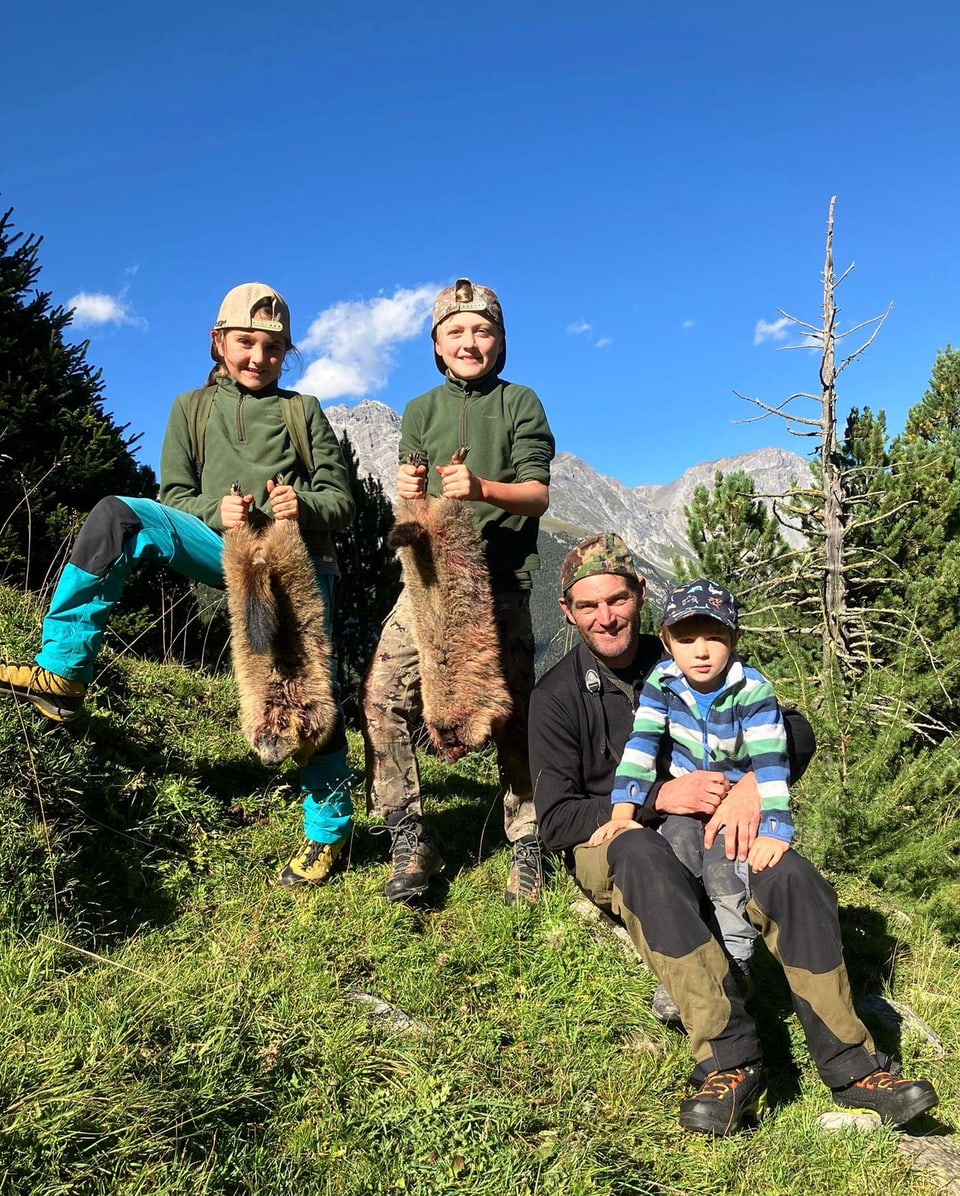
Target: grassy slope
173, 1021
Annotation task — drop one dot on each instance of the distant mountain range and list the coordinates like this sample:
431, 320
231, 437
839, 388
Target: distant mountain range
650, 518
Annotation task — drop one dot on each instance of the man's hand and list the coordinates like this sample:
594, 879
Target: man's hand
698, 792
766, 852
459, 482
609, 829
411, 481
284, 503
235, 510
738, 817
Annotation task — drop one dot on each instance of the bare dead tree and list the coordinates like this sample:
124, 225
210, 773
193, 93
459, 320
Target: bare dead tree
842, 630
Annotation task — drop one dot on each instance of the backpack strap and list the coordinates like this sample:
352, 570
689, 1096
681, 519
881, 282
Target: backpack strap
292, 407
198, 413
294, 410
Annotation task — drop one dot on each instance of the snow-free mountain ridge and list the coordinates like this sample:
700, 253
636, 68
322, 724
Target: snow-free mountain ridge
650, 518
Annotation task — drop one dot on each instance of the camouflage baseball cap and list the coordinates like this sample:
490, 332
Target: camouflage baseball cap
465, 295
238, 310
603, 553
701, 597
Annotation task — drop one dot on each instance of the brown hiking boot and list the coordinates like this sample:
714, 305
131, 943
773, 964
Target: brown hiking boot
526, 872
413, 855
56, 697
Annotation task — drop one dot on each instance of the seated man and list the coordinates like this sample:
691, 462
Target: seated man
580, 717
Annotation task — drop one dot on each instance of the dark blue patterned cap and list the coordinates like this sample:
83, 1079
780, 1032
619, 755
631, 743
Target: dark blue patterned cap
701, 597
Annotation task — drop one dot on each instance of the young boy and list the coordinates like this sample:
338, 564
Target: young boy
719, 715
506, 476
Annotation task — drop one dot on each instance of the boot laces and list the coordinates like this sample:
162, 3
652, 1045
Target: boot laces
527, 870
722, 1083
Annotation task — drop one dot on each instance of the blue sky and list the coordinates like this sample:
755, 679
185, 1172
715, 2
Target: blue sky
644, 185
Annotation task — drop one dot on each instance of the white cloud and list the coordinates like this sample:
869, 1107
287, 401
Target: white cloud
603, 342
688, 324
777, 331
352, 343
578, 327
92, 308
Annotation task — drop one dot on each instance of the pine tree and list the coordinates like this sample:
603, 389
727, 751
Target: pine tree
370, 578
738, 543
736, 540
922, 543
60, 453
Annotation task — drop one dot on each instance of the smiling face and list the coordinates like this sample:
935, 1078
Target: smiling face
605, 609
468, 343
702, 648
253, 359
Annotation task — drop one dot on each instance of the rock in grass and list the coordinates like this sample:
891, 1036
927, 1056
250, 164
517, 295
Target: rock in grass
937, 1157
584, 908
897, 1016
854, 1122
388, 1015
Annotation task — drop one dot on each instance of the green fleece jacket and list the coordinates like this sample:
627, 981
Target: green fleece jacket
247, 441
508, 439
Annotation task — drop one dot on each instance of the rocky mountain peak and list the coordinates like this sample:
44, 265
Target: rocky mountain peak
650, 518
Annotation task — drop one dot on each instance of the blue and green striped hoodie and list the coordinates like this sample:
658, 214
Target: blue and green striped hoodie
743, 732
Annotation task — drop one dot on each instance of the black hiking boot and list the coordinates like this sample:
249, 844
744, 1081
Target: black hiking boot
526, 872
726, 1099
884, 1094
413, 855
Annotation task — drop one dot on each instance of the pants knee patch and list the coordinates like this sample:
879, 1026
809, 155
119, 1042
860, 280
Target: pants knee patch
105, 532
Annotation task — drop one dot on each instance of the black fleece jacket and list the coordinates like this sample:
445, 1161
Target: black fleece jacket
579, 724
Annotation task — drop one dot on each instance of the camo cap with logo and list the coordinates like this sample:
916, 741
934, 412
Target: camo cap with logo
603, 553
701, 597
465, 295
238, 310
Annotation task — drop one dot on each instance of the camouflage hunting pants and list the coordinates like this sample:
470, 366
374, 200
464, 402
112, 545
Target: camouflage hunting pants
392, 706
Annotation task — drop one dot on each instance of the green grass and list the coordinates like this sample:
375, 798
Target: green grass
172, 1021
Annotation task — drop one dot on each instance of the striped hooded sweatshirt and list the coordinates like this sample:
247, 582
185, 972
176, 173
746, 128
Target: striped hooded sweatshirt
743, 732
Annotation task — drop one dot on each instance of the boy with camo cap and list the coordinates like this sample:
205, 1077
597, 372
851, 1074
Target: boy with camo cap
505, 474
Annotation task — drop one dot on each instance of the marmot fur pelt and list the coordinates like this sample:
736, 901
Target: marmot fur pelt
465, 698
281, 658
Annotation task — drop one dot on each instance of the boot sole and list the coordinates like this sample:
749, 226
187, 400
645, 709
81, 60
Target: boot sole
412, 892
923, 1102
55, 711
290, 879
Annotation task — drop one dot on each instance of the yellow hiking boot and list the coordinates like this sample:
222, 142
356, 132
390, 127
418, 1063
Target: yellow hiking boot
311, 864
56, 697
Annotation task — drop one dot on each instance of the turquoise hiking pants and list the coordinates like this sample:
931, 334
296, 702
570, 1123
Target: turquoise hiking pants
121, 531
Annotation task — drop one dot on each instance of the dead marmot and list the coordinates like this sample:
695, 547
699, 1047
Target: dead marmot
465, 698
281, 657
